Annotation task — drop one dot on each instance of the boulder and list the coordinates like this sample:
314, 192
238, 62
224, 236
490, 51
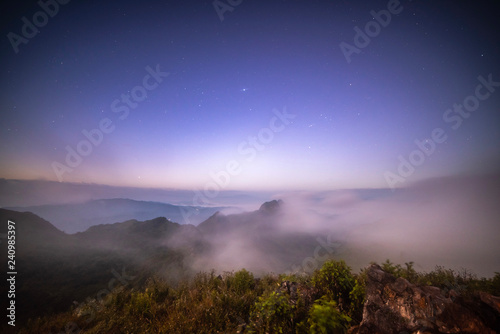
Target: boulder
396, 306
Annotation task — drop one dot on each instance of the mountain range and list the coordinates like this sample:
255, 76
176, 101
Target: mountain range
57, 269
78, 217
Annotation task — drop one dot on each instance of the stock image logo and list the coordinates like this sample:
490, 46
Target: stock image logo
31, 26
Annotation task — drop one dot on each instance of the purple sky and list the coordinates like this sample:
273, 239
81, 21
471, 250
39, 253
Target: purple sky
216, 120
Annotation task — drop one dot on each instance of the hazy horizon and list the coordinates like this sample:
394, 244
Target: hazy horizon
33, 192
445, 221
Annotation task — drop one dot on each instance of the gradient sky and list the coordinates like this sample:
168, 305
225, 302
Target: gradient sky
227, 79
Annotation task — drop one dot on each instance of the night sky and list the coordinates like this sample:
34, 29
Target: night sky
257, 95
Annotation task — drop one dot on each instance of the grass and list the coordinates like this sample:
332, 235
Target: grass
328, 301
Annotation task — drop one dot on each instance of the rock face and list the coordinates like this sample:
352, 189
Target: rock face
271, 206
393, 305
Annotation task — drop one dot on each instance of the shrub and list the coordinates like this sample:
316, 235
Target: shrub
357, 297
241, 281
335, 280
140, 304
409, 273
493, 285
272, 313
325, 318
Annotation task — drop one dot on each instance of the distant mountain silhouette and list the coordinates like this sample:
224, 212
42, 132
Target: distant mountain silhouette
28, 224
259, 240
271, 207
73, 267
134, 236
248, 221
56, 269
72, 218
32, 232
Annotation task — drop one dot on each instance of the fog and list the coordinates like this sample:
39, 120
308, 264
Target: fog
452, 222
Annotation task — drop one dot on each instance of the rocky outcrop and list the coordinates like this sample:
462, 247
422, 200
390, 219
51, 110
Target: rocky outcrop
271, 207
393, 305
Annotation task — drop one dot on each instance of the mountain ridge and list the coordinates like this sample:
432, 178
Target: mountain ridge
78, 217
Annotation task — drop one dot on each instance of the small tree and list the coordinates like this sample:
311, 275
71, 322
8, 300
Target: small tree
325, 318
335, 280
241, 281
272, 314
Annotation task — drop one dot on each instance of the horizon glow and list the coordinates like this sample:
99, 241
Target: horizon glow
168, 95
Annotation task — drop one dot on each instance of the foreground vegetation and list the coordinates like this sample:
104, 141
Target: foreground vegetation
328, 301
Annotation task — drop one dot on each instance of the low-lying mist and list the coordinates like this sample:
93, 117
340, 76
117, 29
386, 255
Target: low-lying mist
452, 222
